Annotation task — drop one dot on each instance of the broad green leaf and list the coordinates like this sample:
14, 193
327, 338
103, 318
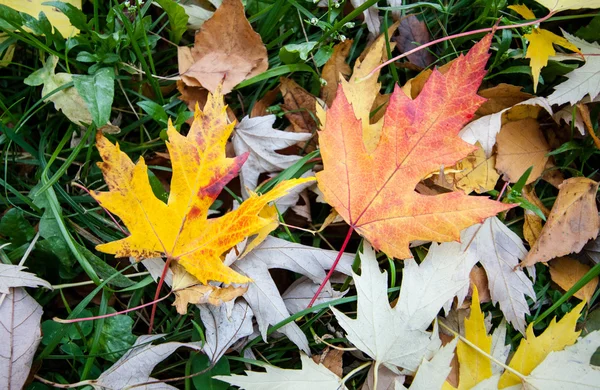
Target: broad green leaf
177, 18
98, 93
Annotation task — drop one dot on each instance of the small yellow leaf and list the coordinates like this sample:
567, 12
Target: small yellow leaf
541, 47
474, 367
533, 350
522, 10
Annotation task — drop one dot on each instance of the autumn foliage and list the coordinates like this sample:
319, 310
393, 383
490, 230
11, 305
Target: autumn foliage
374, 191
179, 229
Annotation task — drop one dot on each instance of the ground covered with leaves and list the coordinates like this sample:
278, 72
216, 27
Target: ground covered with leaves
299, 195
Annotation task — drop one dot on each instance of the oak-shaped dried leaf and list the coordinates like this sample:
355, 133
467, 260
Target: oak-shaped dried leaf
374, 190
226, 51
572, 222
566, 271
521, 145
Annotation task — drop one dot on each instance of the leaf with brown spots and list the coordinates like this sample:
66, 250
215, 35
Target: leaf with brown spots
179, 229
573, 221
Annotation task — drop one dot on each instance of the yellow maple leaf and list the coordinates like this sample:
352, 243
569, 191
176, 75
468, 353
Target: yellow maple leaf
179, 229
540, 44
534, 349
474, 367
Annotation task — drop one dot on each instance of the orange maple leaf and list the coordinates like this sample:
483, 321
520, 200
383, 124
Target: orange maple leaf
179, 229
374, 191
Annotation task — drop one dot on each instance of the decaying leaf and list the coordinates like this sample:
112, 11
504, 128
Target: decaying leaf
566, 271
21, 334
413, 33
501, 97
335, 68
135, 367
499, 250
583, 81
180, 229
66, 100
521, 145
257, 137
277, 378
226, 51
189, 290
371, 16
572, 222
374, 190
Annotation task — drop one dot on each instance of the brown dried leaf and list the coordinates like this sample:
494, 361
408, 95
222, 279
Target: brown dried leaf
299, 108
260, 107
566, 271
226, 50
414, 33
332, 359
573, 221
521, 145
189, 290
333, 69
500, 97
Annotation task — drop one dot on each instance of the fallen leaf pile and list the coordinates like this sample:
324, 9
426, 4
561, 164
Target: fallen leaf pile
471, 205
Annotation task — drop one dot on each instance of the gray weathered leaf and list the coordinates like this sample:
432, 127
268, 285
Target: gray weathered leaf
311, 376
257, 137
136, 365
383, 333
264, 297
14, 276
21, 334
222, 330
433, 373
299, 294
